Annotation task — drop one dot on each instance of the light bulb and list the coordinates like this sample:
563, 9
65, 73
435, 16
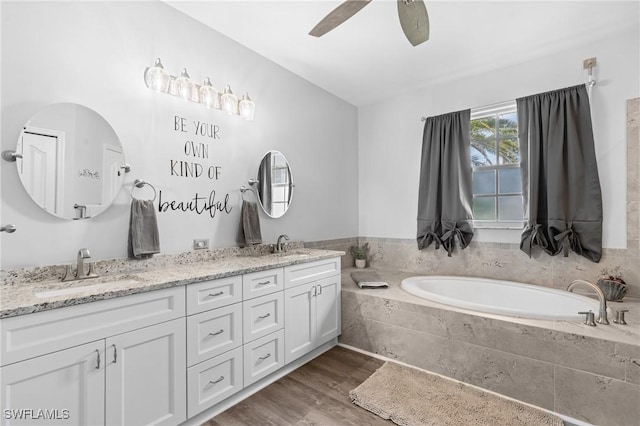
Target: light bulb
247, 107
156, 77
185, 86
209, 95
229, 101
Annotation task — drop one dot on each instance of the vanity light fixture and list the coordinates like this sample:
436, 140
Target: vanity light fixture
185, 86
209, 95
229, 101
158, 79
246, 107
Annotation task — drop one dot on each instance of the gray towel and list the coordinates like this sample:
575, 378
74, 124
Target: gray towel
144, 240
250, 224
368, 279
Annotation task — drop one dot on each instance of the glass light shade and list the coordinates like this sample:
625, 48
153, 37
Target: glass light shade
247, 107
185, 86
229, 101
156, 77
209, 95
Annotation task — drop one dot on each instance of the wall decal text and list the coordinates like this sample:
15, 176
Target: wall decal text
198, 204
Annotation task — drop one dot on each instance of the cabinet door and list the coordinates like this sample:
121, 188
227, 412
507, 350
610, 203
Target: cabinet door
328, 309
146, 376
62, 388
299, 318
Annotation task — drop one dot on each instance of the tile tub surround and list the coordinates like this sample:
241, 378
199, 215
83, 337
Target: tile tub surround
588, 373
17, 292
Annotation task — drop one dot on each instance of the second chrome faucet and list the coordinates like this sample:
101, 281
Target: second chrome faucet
80, 273
280, 246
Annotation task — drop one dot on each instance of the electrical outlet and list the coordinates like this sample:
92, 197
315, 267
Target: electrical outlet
201, 244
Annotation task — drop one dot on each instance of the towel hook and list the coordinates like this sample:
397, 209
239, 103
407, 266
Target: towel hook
139, 183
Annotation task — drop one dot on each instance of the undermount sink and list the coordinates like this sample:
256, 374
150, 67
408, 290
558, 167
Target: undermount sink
73, 290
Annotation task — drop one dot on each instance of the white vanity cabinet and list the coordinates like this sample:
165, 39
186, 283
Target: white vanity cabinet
312, 306
214, 342
69, 383
134, 373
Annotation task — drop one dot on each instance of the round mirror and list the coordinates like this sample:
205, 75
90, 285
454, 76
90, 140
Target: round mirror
70, 161
274, 184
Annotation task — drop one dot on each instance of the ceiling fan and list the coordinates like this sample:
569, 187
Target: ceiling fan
414, 19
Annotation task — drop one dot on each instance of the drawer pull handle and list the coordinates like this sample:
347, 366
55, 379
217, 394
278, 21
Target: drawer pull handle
217, 332
98, 360
319, 289
115, 354
220, 293
213, 382
261, 317
264, 282
262, 358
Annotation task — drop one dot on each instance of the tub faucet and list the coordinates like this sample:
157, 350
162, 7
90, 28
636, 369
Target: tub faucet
280, 247
602, 315
83, 254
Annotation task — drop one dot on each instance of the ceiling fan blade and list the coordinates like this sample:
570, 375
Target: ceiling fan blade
337, 16
414, 20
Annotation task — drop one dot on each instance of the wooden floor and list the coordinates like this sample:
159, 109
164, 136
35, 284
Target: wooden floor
315, 394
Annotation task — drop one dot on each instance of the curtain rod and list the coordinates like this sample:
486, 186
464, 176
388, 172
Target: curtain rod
498, 105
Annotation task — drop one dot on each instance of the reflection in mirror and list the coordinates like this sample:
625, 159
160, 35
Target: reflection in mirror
275, 186
72, 161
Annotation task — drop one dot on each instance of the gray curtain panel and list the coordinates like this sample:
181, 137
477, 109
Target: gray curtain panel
445, 193
561, 188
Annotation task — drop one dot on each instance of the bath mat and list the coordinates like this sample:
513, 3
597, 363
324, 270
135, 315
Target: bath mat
411, 397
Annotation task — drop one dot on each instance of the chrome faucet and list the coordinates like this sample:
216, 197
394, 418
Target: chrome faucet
83, 254
280, 247
602, 315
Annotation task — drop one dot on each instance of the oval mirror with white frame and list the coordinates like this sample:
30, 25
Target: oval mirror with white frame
274, 184
70, 161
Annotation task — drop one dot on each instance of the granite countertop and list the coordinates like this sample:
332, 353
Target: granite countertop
28, 297
629, 333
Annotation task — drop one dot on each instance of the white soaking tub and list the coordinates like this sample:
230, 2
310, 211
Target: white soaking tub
501, 297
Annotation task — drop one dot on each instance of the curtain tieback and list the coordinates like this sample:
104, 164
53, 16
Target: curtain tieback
430, 237
536, 238
569, 239
448, 239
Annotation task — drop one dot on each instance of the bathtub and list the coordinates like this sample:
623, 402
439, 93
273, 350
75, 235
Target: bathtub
501, 297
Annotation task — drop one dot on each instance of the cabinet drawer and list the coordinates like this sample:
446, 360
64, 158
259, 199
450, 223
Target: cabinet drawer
28, 336
304, 272
262, 315
263, 356
213, 294
259, 283
214, 380
213, 332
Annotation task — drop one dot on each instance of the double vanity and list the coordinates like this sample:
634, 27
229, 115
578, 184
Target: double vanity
167, 345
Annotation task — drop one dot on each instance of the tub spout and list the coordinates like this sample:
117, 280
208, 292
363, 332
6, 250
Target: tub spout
602, 315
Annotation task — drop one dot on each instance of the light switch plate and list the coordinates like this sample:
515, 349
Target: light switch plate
201, 244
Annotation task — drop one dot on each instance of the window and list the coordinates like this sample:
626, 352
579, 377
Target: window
495, 160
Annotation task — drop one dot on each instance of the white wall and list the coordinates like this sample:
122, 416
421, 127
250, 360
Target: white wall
95, 53
390, 132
